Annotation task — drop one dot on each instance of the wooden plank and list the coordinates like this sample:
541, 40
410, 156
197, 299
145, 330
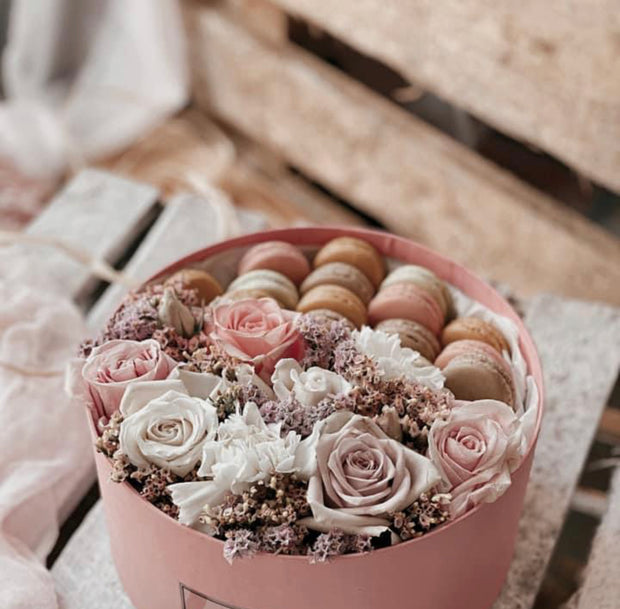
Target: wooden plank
579, 345
263, 18
544, 72
188, 223
261, 182
610, 425
96, 212
396, 168
100, 214
601, 585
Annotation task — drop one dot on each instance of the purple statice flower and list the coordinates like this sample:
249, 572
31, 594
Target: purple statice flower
335, 543
283, 539
321, 337
240, 543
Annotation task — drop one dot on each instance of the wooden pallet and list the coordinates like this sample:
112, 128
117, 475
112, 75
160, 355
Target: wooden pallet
579, 344
397, 168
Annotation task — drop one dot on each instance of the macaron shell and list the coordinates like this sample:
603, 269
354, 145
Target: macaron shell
355, 252
277, 256
250, 293
204, 283
342, 274
335, 298
475, 377
464, 347
406, 301
474, 328
426, 279
328, 315
275, 284
413, 336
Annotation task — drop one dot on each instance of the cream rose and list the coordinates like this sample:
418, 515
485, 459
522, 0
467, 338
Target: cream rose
475, 450
309, 387
362, 475
115, 365
168, 431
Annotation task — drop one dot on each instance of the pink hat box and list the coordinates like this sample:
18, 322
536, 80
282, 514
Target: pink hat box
463, 564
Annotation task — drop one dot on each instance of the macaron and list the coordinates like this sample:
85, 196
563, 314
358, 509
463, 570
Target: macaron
276, 256
342, 274
357, 253
337, 299
273, 283
328, 316
474, 328
406, 301
474, 370
427, 280
413, 336
194, 279
243, 294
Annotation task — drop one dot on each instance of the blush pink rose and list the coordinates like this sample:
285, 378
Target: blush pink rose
110, 369
362, 476
476, 449
257, 331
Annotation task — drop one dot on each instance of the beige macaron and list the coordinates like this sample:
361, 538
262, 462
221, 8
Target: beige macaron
194, 279
342, 274
337, 299
273, 283
412, 335
474, 328
357, 253
425, 279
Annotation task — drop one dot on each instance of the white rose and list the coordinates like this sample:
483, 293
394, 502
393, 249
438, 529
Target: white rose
395, 361
308, 387
246, 450
361, 476
168, 431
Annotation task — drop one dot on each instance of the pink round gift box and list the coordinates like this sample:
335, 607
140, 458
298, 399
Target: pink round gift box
164, 565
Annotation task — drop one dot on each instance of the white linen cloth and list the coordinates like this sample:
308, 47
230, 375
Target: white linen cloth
44, 441
83, 79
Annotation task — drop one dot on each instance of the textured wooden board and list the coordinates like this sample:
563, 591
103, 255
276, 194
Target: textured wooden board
96, 212
544, 72
601, 585
579, 345
396, 168
188, 223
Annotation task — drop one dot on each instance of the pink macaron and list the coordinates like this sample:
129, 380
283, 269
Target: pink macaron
276, 256
406, 301
474, 370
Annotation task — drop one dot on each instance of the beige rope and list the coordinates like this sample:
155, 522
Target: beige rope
28, 371
99, 268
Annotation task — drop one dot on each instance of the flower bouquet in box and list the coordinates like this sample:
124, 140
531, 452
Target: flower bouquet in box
314, 400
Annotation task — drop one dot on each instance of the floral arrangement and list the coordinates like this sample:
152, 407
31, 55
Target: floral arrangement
286, 432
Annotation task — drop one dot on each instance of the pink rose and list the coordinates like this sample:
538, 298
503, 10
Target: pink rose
476, 449
362, 476
256, 331
110, 369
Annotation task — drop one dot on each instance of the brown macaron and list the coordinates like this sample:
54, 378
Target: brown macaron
357, 253
337, 299
474, 371
474, 328
342, 274
412, 335
194, 279
328, 316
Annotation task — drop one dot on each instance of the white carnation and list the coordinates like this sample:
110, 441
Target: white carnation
395, 361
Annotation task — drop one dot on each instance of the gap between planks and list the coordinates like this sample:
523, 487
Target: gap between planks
520, 67
394, 167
